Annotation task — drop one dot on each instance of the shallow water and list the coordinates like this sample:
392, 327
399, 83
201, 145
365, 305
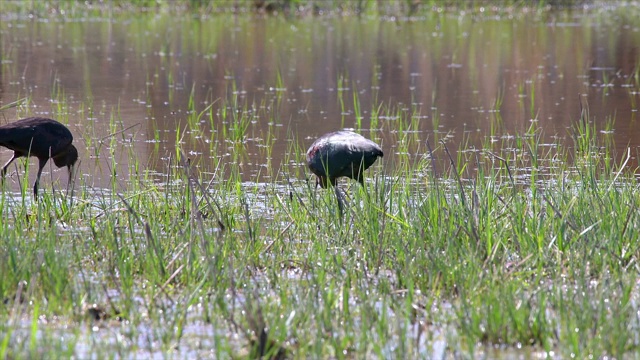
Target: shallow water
462, 74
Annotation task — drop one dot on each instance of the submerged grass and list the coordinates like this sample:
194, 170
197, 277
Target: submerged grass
455, 251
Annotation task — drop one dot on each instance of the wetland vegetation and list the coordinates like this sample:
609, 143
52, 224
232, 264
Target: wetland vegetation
502, 222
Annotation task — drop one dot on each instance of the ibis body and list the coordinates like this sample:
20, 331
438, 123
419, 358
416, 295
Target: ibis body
40, 137
341, 153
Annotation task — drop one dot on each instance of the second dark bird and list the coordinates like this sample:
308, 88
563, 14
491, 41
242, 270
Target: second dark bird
40, 137
341, 153
338, 154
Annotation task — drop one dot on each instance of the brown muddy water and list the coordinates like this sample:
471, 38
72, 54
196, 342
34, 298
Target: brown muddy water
476, 76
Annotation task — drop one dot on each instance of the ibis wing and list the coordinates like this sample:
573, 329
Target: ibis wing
330, 159
350, 157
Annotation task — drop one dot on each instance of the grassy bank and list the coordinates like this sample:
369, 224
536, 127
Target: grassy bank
517, 247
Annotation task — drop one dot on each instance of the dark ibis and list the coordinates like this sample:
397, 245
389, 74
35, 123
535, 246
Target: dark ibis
40, 137
341, 153
338, 154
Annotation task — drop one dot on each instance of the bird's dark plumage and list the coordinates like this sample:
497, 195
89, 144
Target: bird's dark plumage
40, 137
341, 153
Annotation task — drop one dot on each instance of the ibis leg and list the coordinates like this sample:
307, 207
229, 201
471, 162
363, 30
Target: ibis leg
341, 200
42, 163
6, 166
